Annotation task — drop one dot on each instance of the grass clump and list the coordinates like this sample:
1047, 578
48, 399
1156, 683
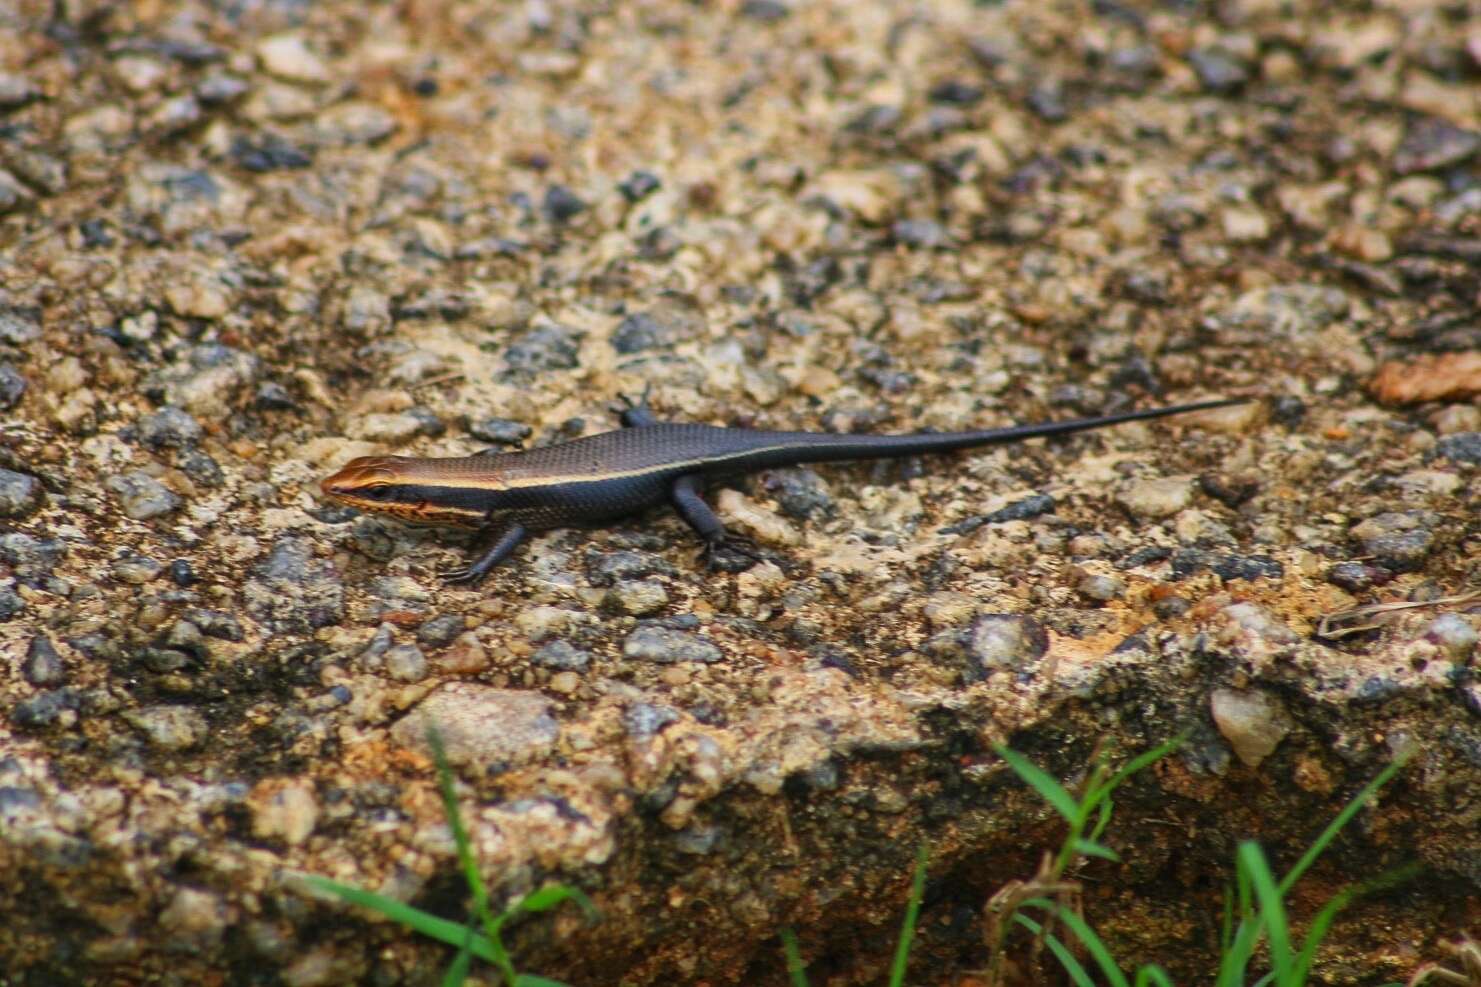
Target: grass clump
482, 936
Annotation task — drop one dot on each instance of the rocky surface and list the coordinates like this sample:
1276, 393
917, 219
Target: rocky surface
241, 243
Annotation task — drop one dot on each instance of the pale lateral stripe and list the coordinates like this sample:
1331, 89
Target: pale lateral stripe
476, 483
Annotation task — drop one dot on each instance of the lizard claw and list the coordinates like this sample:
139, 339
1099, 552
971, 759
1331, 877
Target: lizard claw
731, 554
460, 575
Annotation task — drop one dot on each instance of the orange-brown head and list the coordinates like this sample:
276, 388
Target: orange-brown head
407, 489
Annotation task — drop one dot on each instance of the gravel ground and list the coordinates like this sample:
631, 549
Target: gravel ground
241, 243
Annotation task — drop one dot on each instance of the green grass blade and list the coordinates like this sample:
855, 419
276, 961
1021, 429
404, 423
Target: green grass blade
1226, 927
428, 925
1088, 938
1251, 859
551, 895
1143, 760
532, 980
1072, 966
1153, 975
466, 859
1089, 849
1103, 818
912, 913
1343, 818
458, 971
1040, 781
796, 969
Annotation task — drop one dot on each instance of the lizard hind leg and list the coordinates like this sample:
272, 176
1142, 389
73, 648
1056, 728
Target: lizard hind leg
496, 550
722, 550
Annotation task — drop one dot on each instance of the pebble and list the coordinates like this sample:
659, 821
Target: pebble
926, 234
16, 91
1101, 589
501, 431
269, 152
406, 663
1158, 498
33, 558
1454, 635
286, 810
1244, 224
639, 185
561, 205
1260, 622
19, 326
1227, 566
1432, 144
12, 386
666, 646
207, 380
169, 728
169, 428
1004, 641
135, 569
610, 568
463, 713
354, 123
292, 591
220, 88
20, 494
44, 709
43, 665
194, 919
1218, 71
561, 656
1400, 541
549, 347
141, 496
645, 720
440, 631
1253, 723
1357, 577
1461, 447
800, 493
287, 56
637, 598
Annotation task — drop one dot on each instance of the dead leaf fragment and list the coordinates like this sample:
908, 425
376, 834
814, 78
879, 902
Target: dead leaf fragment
1429, 378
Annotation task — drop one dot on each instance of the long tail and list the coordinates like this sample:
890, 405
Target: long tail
842, 447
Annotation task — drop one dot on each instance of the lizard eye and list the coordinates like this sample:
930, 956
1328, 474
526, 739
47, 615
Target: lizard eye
377, 491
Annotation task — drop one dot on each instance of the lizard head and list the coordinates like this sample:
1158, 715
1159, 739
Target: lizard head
400, 487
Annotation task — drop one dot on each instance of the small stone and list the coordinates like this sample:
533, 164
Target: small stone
638, 598
43, 665
44, 709
1260, 623
292, 591
800, 493
1398, 540
283, 810
665, 646
19, 326
610, 568
16, 91
957, 92
645, 720
549, 347
354, 123
169, 728
1252, 722
1171, 607
194, 919
501, 431
13, 195
406, 663
1218, 71
638, 186
561, 205
1454, 635
1432, 144
135, 569
1004, 641
269, 152
481, 726
367, 310
923, 233
142, 497
169, 428
20, 494
33, 558
1462, 447
12, 387
1357, 577
562, 656
440, 631
1244, 224
464, 656
1158, 498
220, 88
1101, 589
288, 57
765, 11
272, 396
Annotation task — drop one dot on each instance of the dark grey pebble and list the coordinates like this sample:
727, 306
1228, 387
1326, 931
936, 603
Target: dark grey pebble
666, 646
766, 11
141, 496
406, 663
201, 468
33, 558
427, 421
12, 386
20, 494
1217, 70
220, 88
800, 493
43, 665
503, 431
43, 709
292, 591
549, 347
1462, 447
10, 601
644, 720
1399, 541
268, 152
1357, 577
638, 186
1046, 100
169, 427
638, 332
1170, 607
613, 567
439, 632
215, 623
272, 396
958, 92
1288, 411
561, 204
1031, 506
181, 573
561, 656
1187, 561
